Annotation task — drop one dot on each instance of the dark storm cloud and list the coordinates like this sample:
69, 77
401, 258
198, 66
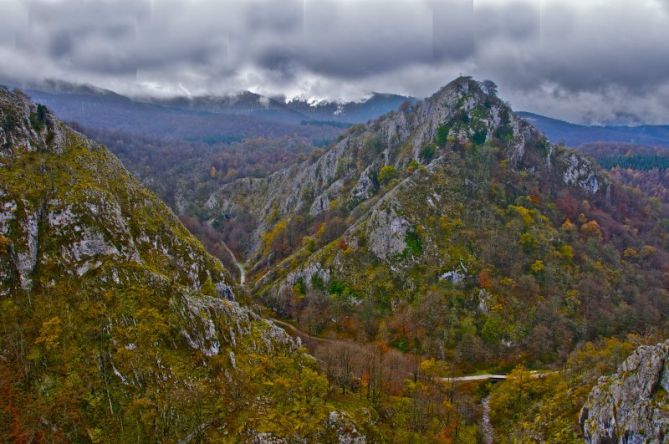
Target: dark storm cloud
585, 60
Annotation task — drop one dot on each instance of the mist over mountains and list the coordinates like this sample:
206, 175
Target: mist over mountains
233, 117
334, 221
443, 236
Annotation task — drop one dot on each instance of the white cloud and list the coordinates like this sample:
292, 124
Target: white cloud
582, 60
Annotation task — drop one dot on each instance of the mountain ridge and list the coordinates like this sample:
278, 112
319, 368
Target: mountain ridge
450, 228
376, 230
300, 111
575, 135
117, 324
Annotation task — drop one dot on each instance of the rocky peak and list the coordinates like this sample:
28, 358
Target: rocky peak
468, 111
631, 406
27, 126
463, 114
80, 210
463, 86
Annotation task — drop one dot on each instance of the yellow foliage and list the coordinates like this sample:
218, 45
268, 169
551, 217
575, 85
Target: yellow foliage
630, 253
647, 251
151, 325
537, 266
449, 224
507, 282
50, 333
567, 253
524, 213
387, 173
268, 238
321, 230
572, 297
208, 287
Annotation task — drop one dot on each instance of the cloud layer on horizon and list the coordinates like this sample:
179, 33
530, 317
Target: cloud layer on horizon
595, 61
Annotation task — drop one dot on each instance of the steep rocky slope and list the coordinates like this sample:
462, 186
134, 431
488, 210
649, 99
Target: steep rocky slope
631, 406
347, 174
116, 324
453, 227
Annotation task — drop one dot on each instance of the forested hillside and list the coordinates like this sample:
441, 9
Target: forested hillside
447, 237
643, 168
454, 229
117, 326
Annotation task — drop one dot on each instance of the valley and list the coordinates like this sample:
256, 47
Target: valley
449, 272
334, 222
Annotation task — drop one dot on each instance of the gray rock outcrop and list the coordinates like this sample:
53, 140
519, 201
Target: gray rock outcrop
632, 405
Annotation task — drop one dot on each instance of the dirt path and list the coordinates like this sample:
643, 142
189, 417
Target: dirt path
311, 342
308, 340
239, 265
486, 425
471, 378
242, 272
492, 376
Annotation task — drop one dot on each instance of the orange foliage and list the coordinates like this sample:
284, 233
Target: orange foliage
485, 279
535, 198
591, 229
343, 246
16, 432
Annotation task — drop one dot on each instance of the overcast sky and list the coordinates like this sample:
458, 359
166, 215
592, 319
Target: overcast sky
582, 60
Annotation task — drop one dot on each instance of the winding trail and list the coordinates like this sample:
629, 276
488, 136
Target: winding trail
486, 425
310, 341
239, 265
494, 377
291, 329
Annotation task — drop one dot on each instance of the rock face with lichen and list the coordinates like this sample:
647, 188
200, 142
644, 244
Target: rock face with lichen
452, 202
631, 406
116, 315
464, 113
387, 233
70, 207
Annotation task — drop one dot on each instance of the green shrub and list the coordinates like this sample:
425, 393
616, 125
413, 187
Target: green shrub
441, 137
317, 282
374, 145
386, 174
427, 152
9, 122
337, 287
299, 286
479, 137
414, 245
38, 118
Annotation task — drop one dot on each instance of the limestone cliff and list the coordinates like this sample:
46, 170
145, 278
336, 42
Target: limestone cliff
116, 321
632, 405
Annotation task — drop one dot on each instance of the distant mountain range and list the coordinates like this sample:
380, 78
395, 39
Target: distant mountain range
210, 119
247, 114
571, 134
71, 102
291, 111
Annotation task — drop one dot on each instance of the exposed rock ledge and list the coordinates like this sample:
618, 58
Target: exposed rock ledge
632, 405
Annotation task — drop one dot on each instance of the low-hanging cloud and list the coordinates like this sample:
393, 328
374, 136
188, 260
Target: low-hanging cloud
595, 61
